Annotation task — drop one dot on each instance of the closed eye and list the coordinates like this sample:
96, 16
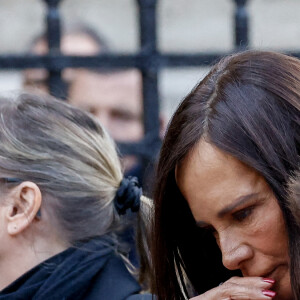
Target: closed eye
243, 214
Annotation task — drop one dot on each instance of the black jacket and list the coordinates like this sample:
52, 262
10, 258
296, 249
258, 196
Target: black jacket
93, 270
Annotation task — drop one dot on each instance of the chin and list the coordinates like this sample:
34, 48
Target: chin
283, 289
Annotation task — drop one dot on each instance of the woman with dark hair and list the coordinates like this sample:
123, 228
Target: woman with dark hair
223, 228
63, 201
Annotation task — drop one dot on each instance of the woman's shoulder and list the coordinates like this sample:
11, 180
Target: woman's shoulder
116, 282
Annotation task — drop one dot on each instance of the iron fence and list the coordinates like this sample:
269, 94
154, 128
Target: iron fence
149, 60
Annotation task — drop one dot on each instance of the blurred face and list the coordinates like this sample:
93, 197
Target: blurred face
235, 203
71, 44
114, 98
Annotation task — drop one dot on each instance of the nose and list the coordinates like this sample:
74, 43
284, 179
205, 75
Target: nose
235, 251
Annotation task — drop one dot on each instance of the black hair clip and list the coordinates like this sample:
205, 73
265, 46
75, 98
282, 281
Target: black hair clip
128, 195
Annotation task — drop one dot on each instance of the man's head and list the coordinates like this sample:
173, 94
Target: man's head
76, 40
115, 97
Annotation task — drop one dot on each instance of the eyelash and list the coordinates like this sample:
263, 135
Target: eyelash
243, 214
239, 216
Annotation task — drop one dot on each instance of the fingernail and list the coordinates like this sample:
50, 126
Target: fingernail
269, 280
268, 293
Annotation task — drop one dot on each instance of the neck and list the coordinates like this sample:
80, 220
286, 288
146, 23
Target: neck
23, 255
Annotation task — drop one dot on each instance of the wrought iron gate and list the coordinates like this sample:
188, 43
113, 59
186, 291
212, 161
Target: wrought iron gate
148, 60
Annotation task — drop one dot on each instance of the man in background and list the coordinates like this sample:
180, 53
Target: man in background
78, 39
113, 96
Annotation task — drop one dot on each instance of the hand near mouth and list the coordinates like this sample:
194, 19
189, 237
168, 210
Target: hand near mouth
241, 288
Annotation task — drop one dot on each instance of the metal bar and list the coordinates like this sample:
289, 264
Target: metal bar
107, 61
59, 62
149, 69
113, 61
189, 60
241, 25
56, 84
143, 148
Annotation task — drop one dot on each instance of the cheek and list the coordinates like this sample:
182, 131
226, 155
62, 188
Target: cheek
285, 287
269, 232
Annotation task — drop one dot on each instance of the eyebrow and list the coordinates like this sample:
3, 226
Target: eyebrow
239, 201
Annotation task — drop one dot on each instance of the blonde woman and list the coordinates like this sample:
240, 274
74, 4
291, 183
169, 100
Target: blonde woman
62, 199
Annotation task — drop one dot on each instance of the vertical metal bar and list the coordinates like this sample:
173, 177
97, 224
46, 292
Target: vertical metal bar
241, 24
147, 21
57, 86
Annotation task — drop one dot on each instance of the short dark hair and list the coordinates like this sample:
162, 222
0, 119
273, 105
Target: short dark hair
247, 106
75, 29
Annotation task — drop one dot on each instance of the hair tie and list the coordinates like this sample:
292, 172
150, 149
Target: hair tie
128, 195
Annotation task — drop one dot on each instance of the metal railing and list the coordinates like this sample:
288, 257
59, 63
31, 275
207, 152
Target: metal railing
148, 60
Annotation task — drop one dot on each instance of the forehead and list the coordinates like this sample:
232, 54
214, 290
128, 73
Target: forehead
108, 89
209, 163
210, 179
71, 44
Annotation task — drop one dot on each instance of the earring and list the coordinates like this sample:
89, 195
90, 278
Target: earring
38, 214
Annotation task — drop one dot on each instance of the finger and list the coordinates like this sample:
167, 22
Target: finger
233, 291
244, 291
260, 282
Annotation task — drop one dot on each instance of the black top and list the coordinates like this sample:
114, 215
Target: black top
93, 270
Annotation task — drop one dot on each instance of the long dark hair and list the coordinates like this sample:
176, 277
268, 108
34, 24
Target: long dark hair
247, 106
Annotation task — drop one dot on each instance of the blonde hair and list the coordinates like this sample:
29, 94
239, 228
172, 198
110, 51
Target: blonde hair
69, 156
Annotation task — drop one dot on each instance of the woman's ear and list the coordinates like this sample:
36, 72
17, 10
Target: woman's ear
24, 204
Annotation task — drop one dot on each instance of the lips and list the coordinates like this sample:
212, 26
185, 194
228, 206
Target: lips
269, 274
265, 274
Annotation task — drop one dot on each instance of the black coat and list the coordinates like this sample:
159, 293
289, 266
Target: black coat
93, 270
